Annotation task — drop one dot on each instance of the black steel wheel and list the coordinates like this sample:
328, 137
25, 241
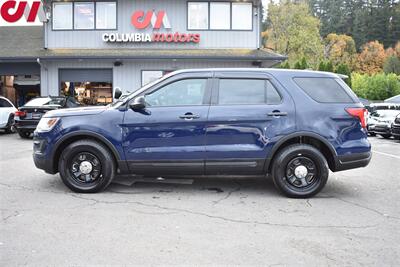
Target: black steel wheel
300, 171
87, 166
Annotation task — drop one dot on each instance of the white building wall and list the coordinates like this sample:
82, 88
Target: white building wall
128, 76
177, 15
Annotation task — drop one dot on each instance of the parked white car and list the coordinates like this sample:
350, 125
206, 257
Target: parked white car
7, 110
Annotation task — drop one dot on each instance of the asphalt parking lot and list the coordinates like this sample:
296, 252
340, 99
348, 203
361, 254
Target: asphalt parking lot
354, 221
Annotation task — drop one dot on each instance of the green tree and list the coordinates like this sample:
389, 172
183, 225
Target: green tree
392, 65
284, 65
345, 70
376, 87
365, 20
292, 30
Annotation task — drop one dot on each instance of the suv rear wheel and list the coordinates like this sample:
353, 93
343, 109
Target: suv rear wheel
300, 171
86, 166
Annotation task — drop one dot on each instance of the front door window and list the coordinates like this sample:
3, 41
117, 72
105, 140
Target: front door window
189, 92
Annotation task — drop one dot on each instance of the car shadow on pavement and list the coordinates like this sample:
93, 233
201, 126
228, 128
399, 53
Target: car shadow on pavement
201, 186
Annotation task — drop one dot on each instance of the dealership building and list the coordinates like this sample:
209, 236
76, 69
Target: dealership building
89, 48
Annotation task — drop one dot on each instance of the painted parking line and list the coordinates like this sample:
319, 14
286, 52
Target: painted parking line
386, 154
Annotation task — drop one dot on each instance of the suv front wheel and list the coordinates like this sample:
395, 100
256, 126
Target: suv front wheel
300, 171
87, 166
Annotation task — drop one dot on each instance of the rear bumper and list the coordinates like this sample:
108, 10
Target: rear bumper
352, 161
26, 125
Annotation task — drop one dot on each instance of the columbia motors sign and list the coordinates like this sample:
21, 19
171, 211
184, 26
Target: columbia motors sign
13, 11
155, 20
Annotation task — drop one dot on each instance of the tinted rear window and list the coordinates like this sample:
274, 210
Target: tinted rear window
247, 91
324, 90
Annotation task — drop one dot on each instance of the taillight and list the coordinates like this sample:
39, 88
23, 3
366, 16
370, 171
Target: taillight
360, 113
20, 113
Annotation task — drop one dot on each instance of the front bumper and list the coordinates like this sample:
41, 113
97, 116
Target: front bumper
396, 130
382, 129
352, 161
40, 158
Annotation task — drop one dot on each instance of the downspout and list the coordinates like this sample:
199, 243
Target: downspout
47, 75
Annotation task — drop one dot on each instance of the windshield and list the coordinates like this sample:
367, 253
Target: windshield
46, 101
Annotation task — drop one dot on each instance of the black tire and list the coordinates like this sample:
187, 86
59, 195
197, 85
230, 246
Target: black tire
102, 171
283, 173
372, 134
9, 127
386, 136
24, 134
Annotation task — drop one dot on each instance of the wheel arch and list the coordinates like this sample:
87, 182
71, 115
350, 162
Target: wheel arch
81, 135
309, 138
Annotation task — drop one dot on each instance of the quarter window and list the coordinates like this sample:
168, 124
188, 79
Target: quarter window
62, 16
188, 92
220, 16
84, 15
247, 91
4, 104
324, 90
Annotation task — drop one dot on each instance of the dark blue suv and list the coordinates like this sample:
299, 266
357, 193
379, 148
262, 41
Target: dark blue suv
291, 125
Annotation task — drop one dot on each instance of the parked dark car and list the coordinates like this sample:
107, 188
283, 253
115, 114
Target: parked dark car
396, 127
28, 116
293, 125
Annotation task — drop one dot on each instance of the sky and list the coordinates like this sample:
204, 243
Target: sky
22, 21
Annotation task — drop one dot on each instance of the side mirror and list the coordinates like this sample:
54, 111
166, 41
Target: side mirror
138, 103
117, 93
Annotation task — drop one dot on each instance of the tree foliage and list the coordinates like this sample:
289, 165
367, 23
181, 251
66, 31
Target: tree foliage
293, 31
371, 58
376, 87
392, 65
365, 20
340, 49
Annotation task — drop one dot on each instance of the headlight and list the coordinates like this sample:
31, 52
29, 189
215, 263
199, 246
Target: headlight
47, 124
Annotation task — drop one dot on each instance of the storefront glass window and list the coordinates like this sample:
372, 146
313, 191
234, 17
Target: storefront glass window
62, 16
106, 15
83, 15
242, 16
220, 16
198, 15
88, 93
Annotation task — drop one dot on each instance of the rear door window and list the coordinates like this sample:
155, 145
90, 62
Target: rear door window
247, 91
324, 90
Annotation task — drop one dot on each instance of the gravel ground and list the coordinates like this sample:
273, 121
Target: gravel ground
354, 221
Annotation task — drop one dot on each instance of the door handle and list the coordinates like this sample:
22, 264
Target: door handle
189, 116
277, 114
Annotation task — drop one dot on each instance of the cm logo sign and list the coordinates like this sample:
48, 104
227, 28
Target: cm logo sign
141, 20
12, 11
